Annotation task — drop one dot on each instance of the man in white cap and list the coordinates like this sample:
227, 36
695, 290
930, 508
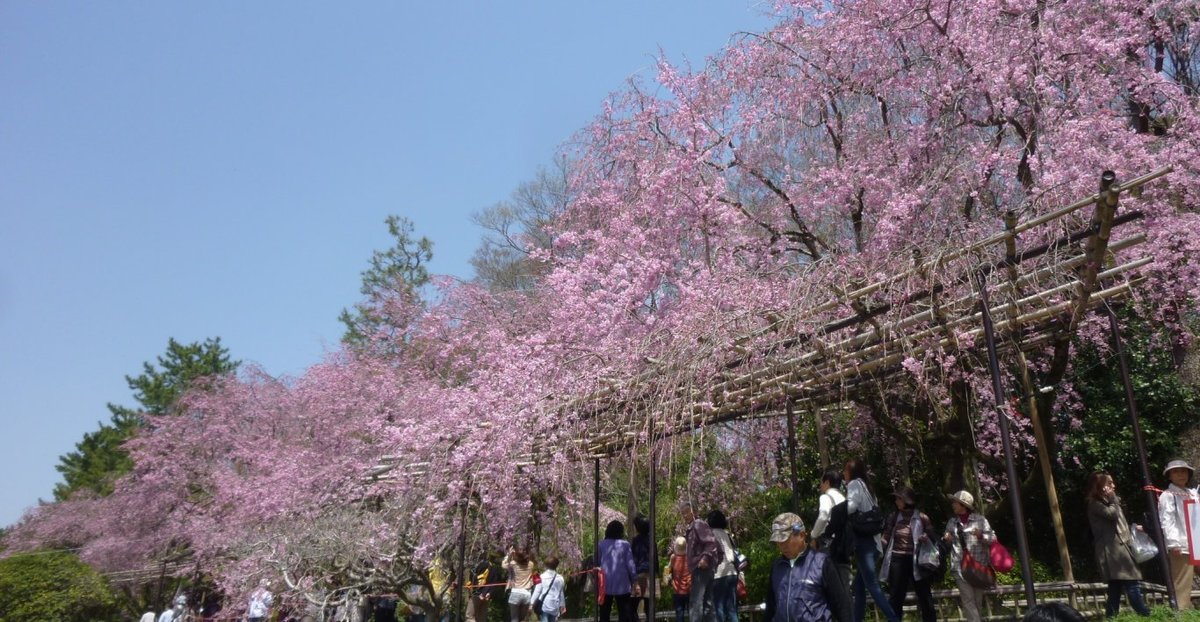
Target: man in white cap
1171, 515
805, 584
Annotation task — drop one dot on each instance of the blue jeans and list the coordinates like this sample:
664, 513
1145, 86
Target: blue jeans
866, 580
724, 595
1132, 590
547, 617
702, 581
681, 606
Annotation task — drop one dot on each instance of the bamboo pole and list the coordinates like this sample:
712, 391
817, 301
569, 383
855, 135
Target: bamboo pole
1107, 194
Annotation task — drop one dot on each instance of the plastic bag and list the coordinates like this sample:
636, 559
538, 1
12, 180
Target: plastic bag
929, 559
1144, 548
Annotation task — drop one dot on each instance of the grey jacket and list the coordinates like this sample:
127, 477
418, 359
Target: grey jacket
979, 545
1112, 540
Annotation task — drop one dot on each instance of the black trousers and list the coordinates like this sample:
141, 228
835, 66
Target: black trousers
900, 577
625, 608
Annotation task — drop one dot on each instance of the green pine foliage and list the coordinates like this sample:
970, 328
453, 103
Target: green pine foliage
98, 459
399, 271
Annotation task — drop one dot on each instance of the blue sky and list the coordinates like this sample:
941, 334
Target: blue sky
205, 169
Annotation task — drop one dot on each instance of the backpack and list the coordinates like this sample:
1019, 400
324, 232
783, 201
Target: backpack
838, 536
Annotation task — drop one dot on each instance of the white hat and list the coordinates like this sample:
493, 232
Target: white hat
964, 498
1178, 464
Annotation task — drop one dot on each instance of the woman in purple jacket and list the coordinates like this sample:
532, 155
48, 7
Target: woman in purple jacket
620, 575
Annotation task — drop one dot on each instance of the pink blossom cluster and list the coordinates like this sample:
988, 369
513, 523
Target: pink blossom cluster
796, 165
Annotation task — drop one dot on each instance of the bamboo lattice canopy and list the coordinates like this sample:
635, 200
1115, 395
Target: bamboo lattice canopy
858, 341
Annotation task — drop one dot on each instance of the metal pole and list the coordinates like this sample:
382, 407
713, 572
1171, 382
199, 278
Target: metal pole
596, 529
1039, 432
1014, 485
462, 564
1131, 406
791, 425
651, 583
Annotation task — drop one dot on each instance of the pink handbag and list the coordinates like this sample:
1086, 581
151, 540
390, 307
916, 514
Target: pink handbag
1002, 560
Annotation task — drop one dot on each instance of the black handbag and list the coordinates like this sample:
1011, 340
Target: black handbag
866, 523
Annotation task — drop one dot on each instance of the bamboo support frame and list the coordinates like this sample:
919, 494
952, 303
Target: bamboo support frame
790, 364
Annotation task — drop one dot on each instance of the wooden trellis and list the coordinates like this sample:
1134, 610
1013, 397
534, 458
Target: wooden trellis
817, 359
845, 349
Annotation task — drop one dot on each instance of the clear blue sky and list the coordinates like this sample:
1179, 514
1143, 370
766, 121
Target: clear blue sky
203, 169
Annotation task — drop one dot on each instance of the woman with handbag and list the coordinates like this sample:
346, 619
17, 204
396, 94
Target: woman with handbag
866, 522
620, 574
1171, 517
904, 532
1113, 543
970, 537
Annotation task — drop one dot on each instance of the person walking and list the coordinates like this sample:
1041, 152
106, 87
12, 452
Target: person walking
620, 575
702, 555
521, 569
968, 531
866, 548
549, 593
805, 586
829, 530
1112, 542
725, 577
1180, 489
640, 545
904, 530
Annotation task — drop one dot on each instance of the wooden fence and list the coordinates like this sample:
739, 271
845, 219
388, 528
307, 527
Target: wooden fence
1004, 603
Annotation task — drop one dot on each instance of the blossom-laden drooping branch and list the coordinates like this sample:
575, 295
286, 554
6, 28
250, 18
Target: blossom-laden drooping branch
719, 217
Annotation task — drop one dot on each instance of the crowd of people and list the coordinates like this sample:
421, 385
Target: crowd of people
826, 574
830, 573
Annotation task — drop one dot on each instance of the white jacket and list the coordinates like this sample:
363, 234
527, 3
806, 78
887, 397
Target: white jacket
1170, 514
829, 498
725, 566
552, 587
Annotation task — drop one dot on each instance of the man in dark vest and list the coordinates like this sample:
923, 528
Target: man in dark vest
830, 534
805, 584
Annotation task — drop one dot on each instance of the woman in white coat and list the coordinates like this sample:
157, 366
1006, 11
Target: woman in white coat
1170, 514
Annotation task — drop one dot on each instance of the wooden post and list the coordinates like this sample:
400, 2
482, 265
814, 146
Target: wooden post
795, 468
462, 565
651, 584
1039, 432
822, 445
596, 528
